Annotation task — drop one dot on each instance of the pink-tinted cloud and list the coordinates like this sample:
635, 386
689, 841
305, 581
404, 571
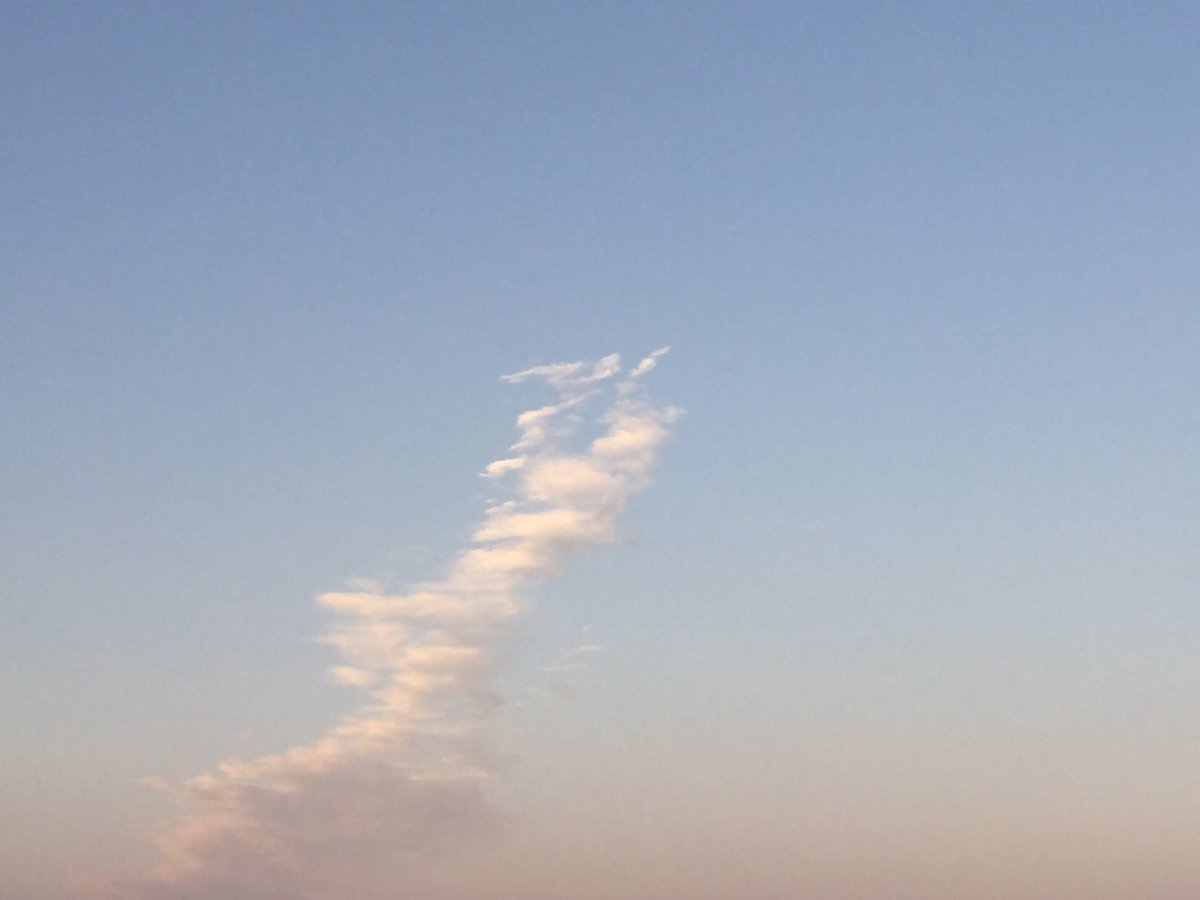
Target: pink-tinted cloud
405, 776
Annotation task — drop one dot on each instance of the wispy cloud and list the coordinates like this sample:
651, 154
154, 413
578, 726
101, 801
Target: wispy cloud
406, 775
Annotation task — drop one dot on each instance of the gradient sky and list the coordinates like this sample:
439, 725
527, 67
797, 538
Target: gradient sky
910, 609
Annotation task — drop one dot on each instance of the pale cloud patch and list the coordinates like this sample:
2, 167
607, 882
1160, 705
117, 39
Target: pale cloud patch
500, 466
584, 649
556, 374
351, 675
649, 362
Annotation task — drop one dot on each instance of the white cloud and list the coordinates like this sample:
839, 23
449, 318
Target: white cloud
648, 363
554, 373
500, 466
406, 774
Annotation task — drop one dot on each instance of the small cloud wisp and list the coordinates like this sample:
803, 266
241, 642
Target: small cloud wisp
405, 776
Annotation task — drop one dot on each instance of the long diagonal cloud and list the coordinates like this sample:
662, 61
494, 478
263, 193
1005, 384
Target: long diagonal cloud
406, 774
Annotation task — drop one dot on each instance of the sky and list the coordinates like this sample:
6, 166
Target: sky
360, 537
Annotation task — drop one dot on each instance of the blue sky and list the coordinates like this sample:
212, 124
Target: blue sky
909, 609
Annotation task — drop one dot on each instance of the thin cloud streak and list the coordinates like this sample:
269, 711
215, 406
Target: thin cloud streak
405, 776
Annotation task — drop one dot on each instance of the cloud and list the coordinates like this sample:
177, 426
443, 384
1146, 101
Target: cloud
405, 776
648, 363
